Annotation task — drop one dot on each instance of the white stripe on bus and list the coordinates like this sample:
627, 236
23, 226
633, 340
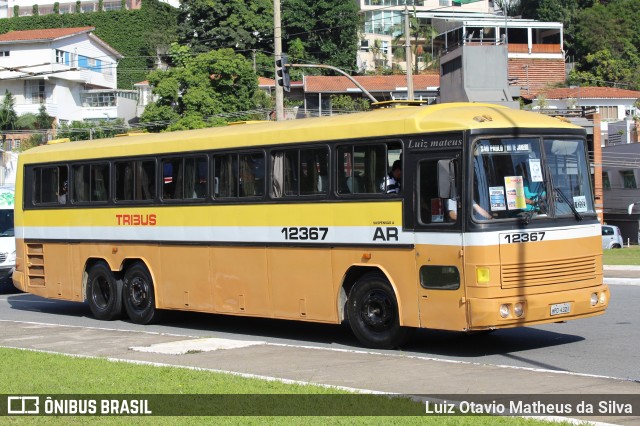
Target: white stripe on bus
275, 234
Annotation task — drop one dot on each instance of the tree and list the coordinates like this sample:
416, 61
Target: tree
328, 30
8, 116
206, 25
200, 90
322, 32
420, 33
347, 104
43, 119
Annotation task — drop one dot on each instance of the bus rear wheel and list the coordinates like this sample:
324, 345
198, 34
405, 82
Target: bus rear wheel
104, 292
139, 296
372, 310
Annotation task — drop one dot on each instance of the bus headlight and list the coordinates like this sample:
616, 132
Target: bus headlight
603, 298
518, 309
504, 310
594, 299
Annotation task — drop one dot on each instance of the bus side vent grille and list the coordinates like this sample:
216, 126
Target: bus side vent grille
559, 271
35, 265
3, 257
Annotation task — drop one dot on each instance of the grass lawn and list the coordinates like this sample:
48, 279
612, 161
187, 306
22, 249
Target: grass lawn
26, 372
624, 256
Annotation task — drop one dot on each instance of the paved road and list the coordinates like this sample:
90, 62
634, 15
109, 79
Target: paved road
593, 356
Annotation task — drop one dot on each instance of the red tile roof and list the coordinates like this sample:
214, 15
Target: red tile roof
45, 34
374, 83
590, 93
264, 81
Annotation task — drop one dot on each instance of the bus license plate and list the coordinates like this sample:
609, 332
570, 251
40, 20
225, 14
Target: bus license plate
560, 308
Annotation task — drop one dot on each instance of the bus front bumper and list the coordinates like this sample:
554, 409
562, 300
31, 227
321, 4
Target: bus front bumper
537, 308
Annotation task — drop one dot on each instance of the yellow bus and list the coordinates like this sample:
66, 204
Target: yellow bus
490, 224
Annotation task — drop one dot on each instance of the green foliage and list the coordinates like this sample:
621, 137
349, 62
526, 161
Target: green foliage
602, 36
34, 10
206, 25
134, 33
346, 103
16, 10
84, 130
32, 141
323, 32
201, 89
327, 29
8, 116
43, 119
56, 8
78, 6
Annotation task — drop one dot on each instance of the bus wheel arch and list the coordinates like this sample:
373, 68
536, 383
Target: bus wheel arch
103, 290
138, 293
372, 308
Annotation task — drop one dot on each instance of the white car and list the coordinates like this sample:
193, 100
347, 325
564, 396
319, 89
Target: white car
611, 237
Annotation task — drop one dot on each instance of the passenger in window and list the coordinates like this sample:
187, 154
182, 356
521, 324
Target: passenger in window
392, 183
62, 194
478, 211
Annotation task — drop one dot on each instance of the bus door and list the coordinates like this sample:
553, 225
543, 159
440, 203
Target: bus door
439, 242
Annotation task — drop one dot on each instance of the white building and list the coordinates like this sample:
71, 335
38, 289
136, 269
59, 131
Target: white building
69, 70
384, 24
617, 107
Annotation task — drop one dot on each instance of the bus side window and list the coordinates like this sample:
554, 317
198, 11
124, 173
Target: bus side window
362, 168
226, 171
99, 182
251, 175
47, 184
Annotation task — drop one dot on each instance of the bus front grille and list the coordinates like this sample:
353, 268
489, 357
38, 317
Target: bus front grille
559, 271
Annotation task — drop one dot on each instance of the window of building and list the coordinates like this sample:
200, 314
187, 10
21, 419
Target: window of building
4, 53
112, 6
606, 183
98, 99
628, 179
608, 112
364, 45
35, 91
59, 56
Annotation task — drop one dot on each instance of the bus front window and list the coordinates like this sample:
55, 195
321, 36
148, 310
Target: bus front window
568, 166
514, 177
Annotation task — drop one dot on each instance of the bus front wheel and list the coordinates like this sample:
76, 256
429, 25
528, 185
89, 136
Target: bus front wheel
139, 296
104, 292
372, 311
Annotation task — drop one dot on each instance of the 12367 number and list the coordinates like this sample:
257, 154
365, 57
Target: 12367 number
303, 233
524, 237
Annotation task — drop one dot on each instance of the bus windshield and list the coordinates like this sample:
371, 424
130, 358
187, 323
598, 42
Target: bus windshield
529, 178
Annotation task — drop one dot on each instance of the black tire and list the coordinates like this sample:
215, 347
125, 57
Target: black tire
616, 246
372, 310
104, 292
139, 296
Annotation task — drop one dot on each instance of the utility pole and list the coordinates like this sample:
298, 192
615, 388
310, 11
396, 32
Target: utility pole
407, 46
277, 48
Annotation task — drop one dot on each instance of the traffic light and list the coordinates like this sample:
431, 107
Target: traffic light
282, 71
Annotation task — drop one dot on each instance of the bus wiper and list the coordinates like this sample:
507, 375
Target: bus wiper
576, 213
